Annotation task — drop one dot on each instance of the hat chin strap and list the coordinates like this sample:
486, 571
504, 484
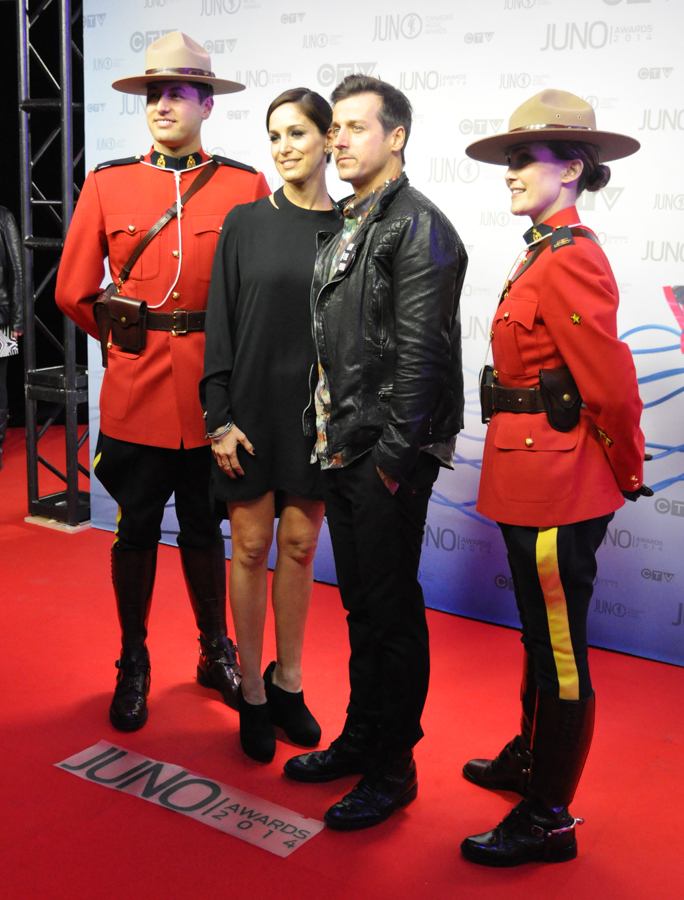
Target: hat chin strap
204, 73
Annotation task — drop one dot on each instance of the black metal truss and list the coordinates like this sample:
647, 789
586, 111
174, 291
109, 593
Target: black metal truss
49, 62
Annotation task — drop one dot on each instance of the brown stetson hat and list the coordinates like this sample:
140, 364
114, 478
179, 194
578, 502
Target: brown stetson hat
552, 116
176, 57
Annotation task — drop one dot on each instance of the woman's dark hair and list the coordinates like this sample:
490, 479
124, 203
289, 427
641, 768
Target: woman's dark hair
395, 110
594, 175
312, 105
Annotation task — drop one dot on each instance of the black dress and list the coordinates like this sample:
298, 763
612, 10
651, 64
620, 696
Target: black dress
259, 348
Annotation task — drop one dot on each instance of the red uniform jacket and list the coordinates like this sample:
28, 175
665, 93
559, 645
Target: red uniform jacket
151, 398
562, 312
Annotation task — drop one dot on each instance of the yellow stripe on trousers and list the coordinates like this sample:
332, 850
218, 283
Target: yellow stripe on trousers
557, 613
116, 533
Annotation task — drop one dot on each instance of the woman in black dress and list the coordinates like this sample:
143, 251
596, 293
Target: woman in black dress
259, 356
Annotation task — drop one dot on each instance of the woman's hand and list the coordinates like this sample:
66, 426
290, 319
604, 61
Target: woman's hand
225, 451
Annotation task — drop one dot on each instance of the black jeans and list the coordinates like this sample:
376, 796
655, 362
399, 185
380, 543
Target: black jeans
376, 540
553, 575
142, 479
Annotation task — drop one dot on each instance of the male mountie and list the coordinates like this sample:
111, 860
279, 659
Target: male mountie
152, 439
388, 404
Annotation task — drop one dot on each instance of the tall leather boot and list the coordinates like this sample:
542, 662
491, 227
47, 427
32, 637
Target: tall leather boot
133, 574
510, 770
204, 569
540, 828
4, 416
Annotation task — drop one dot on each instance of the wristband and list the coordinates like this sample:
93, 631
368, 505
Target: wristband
219, 433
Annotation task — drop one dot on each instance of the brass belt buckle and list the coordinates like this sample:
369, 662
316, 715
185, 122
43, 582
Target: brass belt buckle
183, 327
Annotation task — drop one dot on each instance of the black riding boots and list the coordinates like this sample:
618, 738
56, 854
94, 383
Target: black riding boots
541, 828
510, 770
204, 569
133, 579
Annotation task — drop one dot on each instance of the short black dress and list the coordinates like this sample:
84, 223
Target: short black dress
259, 347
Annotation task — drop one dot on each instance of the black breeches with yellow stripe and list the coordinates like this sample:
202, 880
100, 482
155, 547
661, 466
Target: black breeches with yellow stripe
553, 575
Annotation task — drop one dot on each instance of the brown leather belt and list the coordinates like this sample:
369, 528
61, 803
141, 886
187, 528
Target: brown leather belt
180, 321
517, 400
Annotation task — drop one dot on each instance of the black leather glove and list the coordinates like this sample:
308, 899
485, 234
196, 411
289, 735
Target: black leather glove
644, 491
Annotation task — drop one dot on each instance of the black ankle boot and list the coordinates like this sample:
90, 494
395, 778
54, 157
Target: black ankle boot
289, 712
390, 783
510, 770
540, 828
133, 574
256, 730
349, 754
204, 569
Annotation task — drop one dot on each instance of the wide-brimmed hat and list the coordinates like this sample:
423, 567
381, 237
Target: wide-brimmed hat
176, 57
552, 116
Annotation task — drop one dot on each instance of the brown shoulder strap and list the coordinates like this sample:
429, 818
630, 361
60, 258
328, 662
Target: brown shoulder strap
198, 183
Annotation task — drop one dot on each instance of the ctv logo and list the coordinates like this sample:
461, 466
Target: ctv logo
655, 575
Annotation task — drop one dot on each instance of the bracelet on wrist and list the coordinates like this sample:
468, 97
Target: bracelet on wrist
219, 433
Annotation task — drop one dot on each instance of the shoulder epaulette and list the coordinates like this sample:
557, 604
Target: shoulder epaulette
128, 161
233, 163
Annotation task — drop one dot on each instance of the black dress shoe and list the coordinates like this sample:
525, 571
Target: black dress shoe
219, 669
349, 754
390, 784
128, 711
289, 712
256, 730
529, 833
509, 771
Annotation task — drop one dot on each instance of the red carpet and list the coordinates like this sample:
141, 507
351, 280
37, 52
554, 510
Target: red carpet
64, 838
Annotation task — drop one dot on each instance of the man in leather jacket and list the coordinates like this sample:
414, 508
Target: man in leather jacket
387, 404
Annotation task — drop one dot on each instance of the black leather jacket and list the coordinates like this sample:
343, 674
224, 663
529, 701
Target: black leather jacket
388, 332
11, 309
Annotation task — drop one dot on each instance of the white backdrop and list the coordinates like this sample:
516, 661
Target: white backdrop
466, 66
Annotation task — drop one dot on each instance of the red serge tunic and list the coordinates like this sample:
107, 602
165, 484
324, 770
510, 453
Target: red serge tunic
562, 312
153, 397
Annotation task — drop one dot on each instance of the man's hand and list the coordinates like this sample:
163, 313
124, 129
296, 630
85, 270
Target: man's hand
389, 483
225, 451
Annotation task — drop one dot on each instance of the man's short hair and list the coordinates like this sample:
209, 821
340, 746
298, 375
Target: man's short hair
395, 110
203, 90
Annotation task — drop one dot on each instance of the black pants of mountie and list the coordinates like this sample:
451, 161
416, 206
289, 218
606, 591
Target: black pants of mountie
553, 576
142, 479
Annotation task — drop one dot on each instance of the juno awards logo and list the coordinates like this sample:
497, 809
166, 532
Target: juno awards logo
218, 7
392, 28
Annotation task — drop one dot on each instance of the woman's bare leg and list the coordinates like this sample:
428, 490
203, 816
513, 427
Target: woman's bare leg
251, 527
297, 539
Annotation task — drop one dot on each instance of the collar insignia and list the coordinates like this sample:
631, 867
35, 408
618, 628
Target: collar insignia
536, 233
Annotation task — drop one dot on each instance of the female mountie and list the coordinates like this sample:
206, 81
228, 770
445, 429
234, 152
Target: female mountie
258, 362
563, 450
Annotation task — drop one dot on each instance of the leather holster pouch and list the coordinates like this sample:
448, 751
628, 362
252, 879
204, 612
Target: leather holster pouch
561, 398
486, 393
124, 318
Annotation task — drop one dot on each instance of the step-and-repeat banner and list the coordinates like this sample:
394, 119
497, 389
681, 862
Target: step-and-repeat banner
465, 67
